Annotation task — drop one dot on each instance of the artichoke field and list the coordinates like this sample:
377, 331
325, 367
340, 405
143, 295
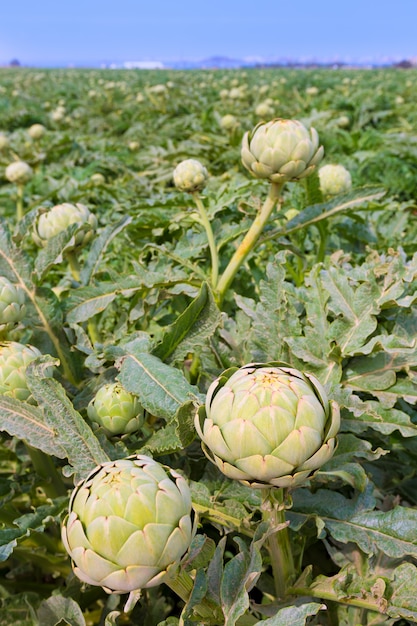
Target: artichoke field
208, 364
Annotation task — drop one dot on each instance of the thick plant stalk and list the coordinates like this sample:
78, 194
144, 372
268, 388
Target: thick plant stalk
19, 202
210, 238
282, 562
249, 241
75, 271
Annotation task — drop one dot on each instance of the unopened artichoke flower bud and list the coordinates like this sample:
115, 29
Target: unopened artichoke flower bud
36, 131
190, 175
59, 217
264, 110
281, 150
129, 524
19, 172
14, 359
334, 179
97, 179
229, 122
12, 304
268, 425
117, 410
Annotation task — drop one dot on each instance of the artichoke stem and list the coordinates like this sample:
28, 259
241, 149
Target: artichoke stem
278, 544
249, 241
19, 202
210, 238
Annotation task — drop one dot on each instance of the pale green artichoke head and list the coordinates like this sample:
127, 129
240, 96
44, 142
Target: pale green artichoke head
117, 410
14, 359
334, 179
190, 175
129, 524
59, 217
4, 141
19, 172
12, 304
229, 122
281, 150
36, 131
268, 425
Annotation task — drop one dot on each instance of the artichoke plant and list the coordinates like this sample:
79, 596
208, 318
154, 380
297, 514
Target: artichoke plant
129, 524
14, 359
334, 179
190, 175
59, 217
268, 425
281, 150
117, 410
12, 304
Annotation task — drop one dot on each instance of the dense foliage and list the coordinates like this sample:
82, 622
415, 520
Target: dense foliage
133, 291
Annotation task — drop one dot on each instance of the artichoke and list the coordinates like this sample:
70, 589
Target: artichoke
117, 410
14, 358
37, 131
334, 179
129, 524
229, 122
281, 150
59, 217
190, 175
4, 141
268, 425
12, 304
19, 172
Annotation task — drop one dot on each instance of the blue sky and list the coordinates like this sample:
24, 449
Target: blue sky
78, 31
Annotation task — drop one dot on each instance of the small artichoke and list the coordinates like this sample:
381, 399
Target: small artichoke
190, 175
4, 141
19, 172
117, 410
281, 150
229, 122
37, 131
14, 359
12, 304
334, 179
268, 425
59, 217
129, 524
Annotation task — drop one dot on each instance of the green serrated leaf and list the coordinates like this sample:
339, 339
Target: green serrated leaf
294, 615
60, 610
74, 435
27, 422
191, 329
160, 388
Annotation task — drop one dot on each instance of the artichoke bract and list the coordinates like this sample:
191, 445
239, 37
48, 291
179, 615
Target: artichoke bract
129, 524
59, 217
14, 359
190, 175
334, 179
281, 150
117, 410
12, 304
268, 425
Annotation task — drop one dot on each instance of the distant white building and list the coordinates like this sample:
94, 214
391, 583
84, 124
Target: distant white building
143, 65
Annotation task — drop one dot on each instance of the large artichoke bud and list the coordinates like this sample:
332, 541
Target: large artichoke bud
59, 217
14, 359
117, 410
281, 150
268, 425
19, 172
129, 524
12, 304
334, 179
190, 175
